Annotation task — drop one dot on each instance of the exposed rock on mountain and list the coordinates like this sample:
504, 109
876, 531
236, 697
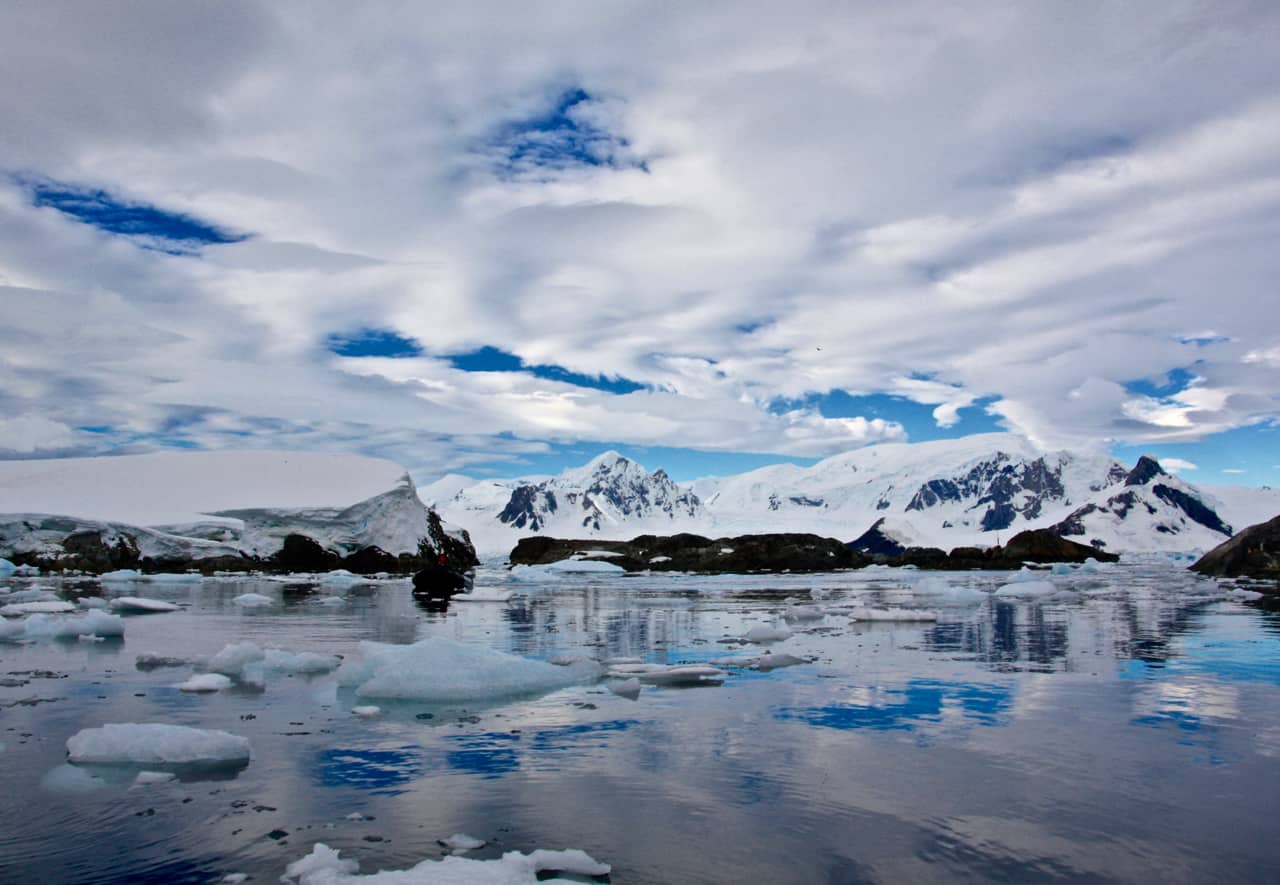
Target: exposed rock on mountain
1150, 504
389, 531
1253, 553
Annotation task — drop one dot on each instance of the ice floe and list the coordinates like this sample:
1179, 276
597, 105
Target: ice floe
205, 682
442, 671
156, 743
1027, 589
141, 605
233, 658
460, 842
368, 711
767, 633
41, 626
253, 600
485, 594
325, 866
32, 608
626, 688
669, 674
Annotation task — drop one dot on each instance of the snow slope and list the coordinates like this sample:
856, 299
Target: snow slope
174, 488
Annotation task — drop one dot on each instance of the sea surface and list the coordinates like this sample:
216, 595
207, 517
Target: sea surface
1123, 725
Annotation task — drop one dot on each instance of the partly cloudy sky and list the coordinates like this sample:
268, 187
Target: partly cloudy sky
498, 238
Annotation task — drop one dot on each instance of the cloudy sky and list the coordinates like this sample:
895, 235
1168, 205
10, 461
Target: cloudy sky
498, 238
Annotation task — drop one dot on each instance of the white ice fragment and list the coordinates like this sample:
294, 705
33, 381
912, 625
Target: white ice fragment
799, 614
205, 682
892, 614
669, 674
1027, 575
155, 743
141, 605
1027, 589
656, 559
92, 602
585, 565
95, 622
174, 578
252, 600
367, 712
765, 663
626, 688
234, 878
233, 658
324, 866
460, 842
32, 608
341, 578
148, 778
33, 594
485, 594
725, 551
1243, 595
442, 671
7, 568
331, 600
281, 661
89, 637
355, 815
767, 633
121, 575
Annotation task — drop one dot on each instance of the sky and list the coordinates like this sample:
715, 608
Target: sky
499, 238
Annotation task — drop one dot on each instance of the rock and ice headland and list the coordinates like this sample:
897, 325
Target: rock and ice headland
1253, 553
277, 511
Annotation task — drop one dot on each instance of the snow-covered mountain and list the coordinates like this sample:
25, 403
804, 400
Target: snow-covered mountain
203, 505
611, 496
978, 490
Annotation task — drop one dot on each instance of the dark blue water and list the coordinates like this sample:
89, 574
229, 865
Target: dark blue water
1125, 729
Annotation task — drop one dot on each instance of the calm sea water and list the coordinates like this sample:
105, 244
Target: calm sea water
1127, 729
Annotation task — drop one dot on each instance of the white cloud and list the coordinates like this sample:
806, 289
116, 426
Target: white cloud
1177, 465
1021, 208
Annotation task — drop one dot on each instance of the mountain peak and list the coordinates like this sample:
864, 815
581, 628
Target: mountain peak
1147, 469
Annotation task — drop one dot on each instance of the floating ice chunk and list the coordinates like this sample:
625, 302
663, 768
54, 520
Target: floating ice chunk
1026, 574
253, 600
1061, 568
26, 571
656, 559
442, 671
148, 661
32, 608
140, 605
92, 602
799, 614
205, 682
324, 866
725, 551
99, 623
174, 578
12, 630
669, 674
121, 575
89, 637
485, 594
767, 633
331, 600
460, 842
626, 688
7, 568
892, 614
585, 565
1243, 595
233, 658
148, 778
1027, 589
341, 578
282, 661
155, 743
234, 878
367, 712
768, 662
821, 593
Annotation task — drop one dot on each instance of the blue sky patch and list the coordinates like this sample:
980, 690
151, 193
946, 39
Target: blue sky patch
491, 359
1174, 382
173, 232
559, 138
373, 342
915, 418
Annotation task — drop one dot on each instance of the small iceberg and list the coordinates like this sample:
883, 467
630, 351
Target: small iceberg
1027, 589
767, 633
156, 743
486, 594
253, 600
439, 670
669, 674
206, 682
37, 608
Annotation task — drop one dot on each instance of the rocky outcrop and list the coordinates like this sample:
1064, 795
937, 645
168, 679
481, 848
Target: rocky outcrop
1253, 553
1038, 546
694, 553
